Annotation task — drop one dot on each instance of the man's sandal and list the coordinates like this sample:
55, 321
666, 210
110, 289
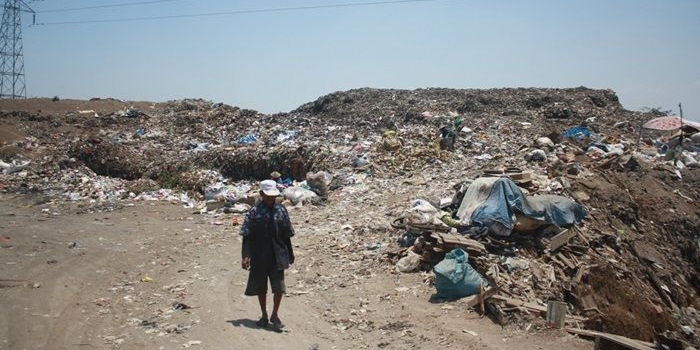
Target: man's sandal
277, 323
262, 322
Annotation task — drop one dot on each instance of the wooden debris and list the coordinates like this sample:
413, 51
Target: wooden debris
607, 341
561, 238
475, 300
5, 283
481, 301
448, 241
397, 252
428, 227
566, 261
659, 287
532, 307
588, 303
555, 259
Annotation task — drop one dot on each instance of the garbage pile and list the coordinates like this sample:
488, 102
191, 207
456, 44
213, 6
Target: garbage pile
556, 195
573, 229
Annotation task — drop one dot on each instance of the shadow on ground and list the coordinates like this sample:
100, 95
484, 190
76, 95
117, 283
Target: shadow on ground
248, 323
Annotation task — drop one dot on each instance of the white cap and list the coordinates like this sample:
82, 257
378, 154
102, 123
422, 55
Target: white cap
269, 188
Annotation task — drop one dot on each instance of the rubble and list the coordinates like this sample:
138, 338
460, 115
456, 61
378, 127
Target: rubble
637, 186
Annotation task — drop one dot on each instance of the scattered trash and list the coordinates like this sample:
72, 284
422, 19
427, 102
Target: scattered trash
192, 343
409, 263
181, 306
531, 246
5, 242
13, 167
75, 245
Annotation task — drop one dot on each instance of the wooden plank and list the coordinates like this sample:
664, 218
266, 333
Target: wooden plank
566, 261
398, 251
556, 260
607, 341
474, 299
6, 283
588, 303
508, 301
543, 309
532, 307
450, 241
428, 227
658, 286
561, 238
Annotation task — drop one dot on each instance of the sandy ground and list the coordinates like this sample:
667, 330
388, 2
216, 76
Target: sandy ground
110, 279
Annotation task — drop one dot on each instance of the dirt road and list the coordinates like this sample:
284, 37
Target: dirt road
153, 275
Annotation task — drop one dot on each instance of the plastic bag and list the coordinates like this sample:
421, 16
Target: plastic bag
320, 182
421, 213
299, 195
409, 263
455, 278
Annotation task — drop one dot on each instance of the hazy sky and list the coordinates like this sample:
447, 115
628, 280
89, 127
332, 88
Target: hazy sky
648, 51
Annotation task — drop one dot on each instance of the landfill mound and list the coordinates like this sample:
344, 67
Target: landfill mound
386, 107
631, 267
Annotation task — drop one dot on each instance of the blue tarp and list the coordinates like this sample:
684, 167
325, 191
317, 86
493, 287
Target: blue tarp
497, 211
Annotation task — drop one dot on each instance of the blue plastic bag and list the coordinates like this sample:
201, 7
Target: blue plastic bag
577, 133
455, 278
247, 139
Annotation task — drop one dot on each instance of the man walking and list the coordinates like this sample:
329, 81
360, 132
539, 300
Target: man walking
267, 251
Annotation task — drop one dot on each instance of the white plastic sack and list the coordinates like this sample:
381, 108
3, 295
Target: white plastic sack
212, 191
298, 195
421, 213
14, 167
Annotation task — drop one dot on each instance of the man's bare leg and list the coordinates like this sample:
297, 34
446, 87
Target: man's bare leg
262, 299
276, 300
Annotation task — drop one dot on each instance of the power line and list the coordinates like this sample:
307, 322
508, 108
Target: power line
107, 6
227, 13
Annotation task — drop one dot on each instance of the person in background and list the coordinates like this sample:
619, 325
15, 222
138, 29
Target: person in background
449, 134
297, 166
267, 251
276, 177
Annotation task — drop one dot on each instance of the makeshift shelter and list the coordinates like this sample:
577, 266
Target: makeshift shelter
671, 122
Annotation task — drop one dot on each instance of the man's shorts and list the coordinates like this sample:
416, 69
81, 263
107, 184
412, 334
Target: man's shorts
257, 281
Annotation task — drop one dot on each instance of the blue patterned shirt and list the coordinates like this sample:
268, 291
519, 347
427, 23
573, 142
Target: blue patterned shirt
266, 235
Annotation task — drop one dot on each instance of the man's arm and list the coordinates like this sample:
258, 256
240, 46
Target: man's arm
245, 247
245, 253
288, 234
288, 243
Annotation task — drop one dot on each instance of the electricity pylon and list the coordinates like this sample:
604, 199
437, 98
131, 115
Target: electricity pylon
12, 65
